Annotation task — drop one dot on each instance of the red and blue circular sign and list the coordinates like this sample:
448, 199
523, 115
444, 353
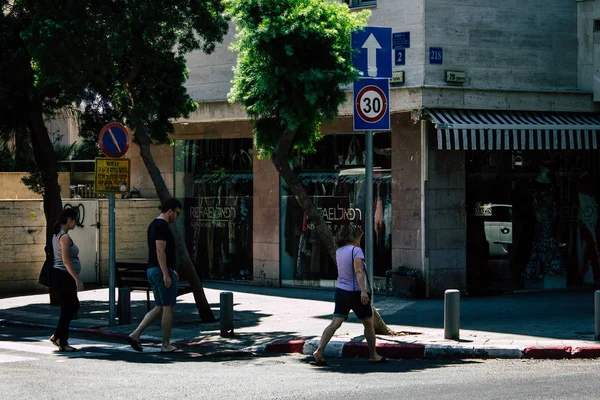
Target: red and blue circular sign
114, 140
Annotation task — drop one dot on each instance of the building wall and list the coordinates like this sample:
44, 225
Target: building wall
446, 219
509, 45
520, 45
140, 178
405, 16
132, 218
11, 186
64, 125
22, 235
265, 223
588, 53
406, 193
210, 75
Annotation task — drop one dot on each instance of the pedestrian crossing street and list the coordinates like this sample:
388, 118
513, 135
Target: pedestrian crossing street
33, 348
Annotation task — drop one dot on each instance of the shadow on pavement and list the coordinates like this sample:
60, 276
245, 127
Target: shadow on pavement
362, 366
558, 315
95, 314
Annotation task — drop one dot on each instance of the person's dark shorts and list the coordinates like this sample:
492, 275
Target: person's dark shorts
346, 301
163, 296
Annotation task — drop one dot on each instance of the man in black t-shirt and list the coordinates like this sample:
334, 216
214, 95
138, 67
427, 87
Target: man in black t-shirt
161, 276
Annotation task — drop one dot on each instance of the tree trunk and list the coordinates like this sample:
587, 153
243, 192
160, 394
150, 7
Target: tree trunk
281, 158
45, 159
143, 141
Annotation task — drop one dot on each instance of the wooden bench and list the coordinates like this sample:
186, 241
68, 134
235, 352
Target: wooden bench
131, 275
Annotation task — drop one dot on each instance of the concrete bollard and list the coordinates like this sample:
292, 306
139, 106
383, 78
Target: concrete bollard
452, 314
597, 314
226, 310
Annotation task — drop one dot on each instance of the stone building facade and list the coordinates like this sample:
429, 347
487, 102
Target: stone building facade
526, 106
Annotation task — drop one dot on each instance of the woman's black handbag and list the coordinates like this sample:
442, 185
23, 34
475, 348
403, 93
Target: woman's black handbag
46, 271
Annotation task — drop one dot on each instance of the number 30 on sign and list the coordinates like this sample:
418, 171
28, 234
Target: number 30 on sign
371, 108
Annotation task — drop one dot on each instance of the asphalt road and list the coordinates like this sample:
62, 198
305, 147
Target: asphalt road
108, 369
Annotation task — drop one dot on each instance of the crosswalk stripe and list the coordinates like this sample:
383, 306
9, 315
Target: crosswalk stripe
44, 349
103, 345
6, 358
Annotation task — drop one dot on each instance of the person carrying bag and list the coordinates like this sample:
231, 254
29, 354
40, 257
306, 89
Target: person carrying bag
350, 294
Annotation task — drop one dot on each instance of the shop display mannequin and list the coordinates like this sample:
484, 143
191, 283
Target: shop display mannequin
545, 253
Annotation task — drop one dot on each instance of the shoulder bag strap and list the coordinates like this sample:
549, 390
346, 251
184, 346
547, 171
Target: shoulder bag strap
352, 265
364, 269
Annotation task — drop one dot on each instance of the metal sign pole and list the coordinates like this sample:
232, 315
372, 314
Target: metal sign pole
111, 260
369, 210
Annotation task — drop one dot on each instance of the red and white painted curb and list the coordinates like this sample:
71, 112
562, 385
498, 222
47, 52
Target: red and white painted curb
351, 349
430, 351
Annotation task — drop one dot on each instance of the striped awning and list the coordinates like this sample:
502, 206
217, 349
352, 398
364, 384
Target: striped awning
515, 130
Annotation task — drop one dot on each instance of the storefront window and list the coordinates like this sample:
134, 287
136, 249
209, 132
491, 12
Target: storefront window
532, 219
214, 180
335, 179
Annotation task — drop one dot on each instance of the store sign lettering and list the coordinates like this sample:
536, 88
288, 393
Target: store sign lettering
339, 214
483, 210
213, 213
335, 214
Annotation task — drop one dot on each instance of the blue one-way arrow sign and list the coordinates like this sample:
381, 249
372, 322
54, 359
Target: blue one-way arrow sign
373, 52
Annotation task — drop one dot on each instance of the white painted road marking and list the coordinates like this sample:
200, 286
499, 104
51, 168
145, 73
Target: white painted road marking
41, 345
42, 348
103, 345
6, 358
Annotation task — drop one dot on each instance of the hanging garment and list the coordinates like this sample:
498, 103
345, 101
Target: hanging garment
588, 240
378, 223
354, 155
387, 219
545, 256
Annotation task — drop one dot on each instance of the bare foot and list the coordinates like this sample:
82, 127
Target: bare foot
54, 341
319, 359
378, 360
168, 348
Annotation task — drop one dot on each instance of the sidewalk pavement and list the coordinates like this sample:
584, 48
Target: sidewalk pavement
291, 320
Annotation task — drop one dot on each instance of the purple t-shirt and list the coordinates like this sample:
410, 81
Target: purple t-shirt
345, 261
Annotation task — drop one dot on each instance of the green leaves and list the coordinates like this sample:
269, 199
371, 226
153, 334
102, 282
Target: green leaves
293, 58
129, 53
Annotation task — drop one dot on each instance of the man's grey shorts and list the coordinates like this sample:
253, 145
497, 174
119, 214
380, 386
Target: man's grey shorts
163, 296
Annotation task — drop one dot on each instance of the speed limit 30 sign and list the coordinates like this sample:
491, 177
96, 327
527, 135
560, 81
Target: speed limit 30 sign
371, 105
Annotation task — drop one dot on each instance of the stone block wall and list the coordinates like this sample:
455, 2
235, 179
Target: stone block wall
446, 219
22, 237
515, 45
140, 178
406, 193
132, 218
12, 188
265, 223
588, 47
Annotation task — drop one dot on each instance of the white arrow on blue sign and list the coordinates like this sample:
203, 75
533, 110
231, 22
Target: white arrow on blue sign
373, 52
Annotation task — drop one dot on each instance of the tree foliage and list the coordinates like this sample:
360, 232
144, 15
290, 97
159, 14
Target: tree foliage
29, 94
294, 56
130, 57
129, 54
125, 57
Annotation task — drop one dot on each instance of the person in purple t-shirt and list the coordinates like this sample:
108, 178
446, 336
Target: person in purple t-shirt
351, 293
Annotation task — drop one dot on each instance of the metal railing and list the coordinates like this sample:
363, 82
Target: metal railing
85, 191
